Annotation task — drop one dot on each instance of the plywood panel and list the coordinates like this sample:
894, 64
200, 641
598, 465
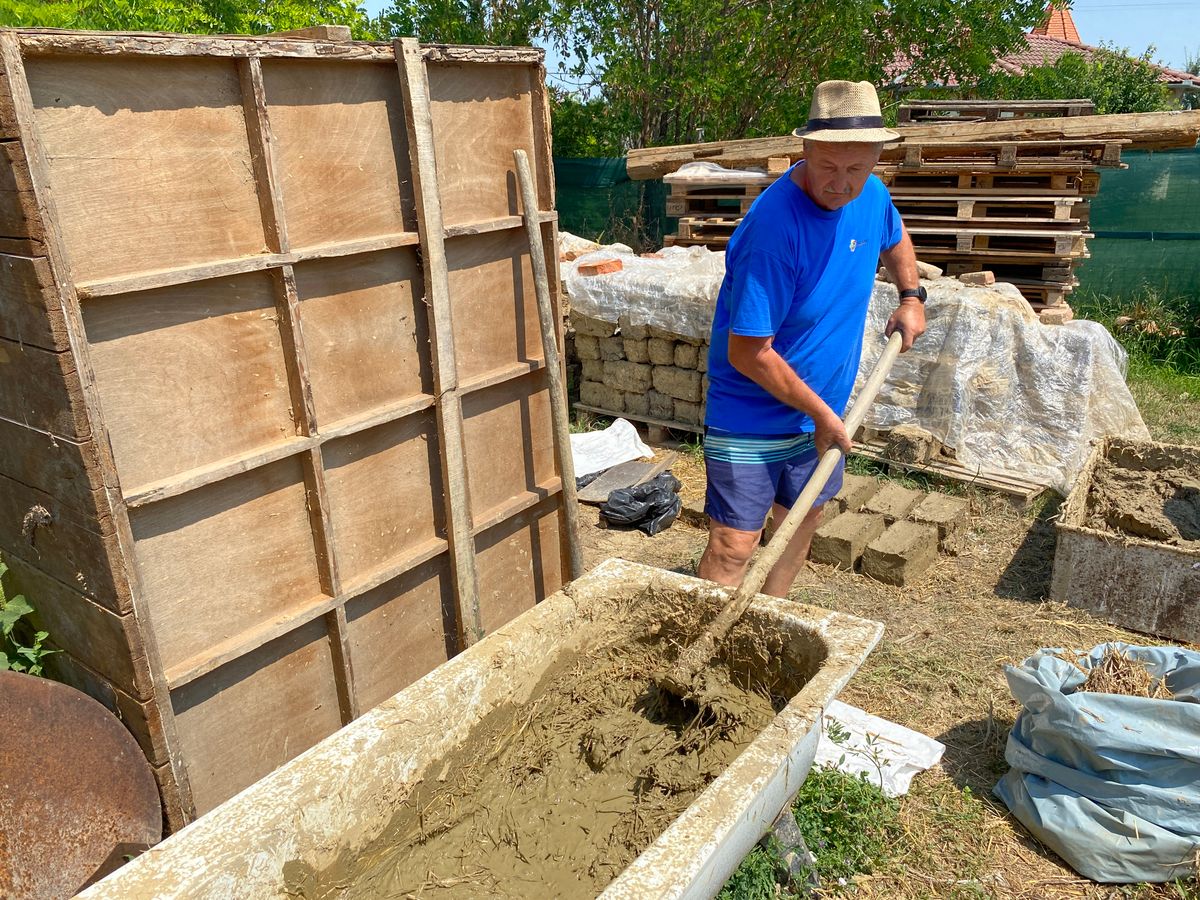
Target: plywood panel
222, 559
30, 311
41, 389
149, 162
76, 549
385, 493
510, 444
481, 113
108, 643
18, 208
491, 281
189, 375
366, 331
252, 715
68, 470
520, 563
341, 149
401, 630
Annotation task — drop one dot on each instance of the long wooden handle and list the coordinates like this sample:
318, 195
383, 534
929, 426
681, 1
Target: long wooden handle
554, 367
697, 654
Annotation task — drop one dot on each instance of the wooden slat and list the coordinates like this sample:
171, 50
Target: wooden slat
149, 679
1023, 489
50, 41
270, 192
144, 281
627, 474
418, 119
1145, 131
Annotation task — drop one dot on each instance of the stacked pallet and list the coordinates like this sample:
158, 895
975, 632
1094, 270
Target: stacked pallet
1018, 208
959, 112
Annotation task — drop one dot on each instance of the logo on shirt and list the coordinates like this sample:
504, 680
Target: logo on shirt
853, 244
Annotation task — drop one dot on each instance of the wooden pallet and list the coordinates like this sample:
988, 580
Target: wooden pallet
996, 240
959, 112
658, 423
723, 190
1012, 271
921, 183
1022, 491
678, 207
708, 227
987, 211
1013, 155
1042, 294
714, 242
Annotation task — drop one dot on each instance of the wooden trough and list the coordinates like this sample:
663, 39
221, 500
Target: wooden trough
336, 799
275, 437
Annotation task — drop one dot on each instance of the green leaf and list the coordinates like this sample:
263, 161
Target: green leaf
3, 661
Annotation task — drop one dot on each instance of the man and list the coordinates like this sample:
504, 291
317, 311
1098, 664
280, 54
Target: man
788, 330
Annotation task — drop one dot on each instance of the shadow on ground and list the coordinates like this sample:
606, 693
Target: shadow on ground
1027, 575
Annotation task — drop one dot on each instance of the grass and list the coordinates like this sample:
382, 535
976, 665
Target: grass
1161, 333
849, 825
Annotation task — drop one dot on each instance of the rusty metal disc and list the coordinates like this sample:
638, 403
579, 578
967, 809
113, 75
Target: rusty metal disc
77, 796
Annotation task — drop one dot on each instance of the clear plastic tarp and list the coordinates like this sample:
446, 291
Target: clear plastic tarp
711, 173
676, 291
1003, 390
987, 379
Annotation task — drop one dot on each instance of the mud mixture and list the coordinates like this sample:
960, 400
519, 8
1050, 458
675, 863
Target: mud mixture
555, 797
1157, 504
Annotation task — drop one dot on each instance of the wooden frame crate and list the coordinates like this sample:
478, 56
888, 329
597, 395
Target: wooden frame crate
275, 433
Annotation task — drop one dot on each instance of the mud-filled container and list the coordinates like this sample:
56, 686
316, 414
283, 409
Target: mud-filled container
541, 762
1129, 538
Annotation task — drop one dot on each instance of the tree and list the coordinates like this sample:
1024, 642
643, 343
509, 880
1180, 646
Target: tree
188, 16
739, 68
500, 22
1115, 81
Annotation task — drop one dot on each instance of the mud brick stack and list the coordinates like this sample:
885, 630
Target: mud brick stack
640, 372
888, 532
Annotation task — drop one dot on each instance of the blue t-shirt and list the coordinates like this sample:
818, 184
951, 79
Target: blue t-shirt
803, 274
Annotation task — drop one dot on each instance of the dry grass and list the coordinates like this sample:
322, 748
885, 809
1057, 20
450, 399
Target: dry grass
1118, 674
940, 670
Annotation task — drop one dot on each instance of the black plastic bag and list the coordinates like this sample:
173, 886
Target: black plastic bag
650, 507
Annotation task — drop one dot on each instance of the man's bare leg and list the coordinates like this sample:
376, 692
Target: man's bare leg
727, 554
782, 576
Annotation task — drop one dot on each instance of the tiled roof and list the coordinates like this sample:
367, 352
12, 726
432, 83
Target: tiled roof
1044, 50
1059, 24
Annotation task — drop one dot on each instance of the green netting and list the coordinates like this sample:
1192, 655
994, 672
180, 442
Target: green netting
1147, 224
596, 200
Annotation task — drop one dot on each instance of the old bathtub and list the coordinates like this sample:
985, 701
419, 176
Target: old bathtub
340, 795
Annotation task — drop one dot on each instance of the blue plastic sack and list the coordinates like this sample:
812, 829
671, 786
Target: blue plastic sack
1110, 783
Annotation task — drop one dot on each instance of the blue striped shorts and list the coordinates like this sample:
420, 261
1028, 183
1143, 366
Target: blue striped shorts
747, 473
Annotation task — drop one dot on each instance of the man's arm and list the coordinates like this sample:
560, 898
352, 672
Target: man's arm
755, 358
901, 263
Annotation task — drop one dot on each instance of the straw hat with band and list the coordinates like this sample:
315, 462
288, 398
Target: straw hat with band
846, 112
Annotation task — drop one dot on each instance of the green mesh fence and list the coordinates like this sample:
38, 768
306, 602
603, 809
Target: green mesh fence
1147, 224
597, 200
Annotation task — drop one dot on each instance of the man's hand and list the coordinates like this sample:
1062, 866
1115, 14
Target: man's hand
909, 317
830, 432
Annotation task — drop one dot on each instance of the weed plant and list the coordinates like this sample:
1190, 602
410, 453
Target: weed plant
22, 647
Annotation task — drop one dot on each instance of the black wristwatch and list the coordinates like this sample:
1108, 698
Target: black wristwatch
919, 292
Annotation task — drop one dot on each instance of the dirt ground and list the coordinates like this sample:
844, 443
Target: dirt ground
939, 670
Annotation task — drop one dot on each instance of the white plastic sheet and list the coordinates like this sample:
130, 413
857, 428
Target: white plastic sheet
711, 172
890, 755
676, 293
595, 451
1003, 390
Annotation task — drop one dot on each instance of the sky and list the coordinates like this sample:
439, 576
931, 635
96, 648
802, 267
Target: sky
1172, 26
